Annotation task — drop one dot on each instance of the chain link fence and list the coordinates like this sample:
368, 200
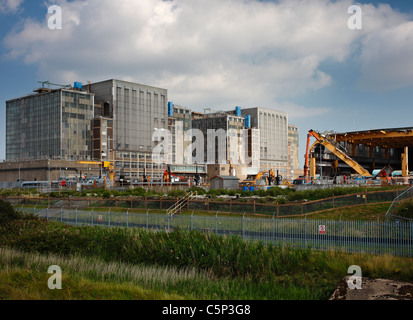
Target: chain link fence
376, 237
257, 206
402, 207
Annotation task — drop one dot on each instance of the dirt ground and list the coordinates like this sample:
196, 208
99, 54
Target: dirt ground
374, 289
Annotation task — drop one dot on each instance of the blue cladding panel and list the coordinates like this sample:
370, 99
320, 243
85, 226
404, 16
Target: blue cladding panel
171, 109
77, 85
238, 111
247, 121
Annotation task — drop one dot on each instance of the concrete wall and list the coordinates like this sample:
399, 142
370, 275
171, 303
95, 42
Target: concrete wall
137, 110
39, 170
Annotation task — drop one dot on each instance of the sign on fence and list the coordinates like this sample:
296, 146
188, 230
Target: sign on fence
322, 229
100, 218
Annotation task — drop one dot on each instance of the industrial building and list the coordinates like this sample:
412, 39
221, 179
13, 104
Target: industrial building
221, 135
50, 124
293, 152
363, 153
136, 111
69, 132
273, 127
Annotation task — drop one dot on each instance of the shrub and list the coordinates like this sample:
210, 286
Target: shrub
176, 193
8, 213
405, 209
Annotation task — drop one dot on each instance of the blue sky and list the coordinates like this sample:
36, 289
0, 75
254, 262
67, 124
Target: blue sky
298, 56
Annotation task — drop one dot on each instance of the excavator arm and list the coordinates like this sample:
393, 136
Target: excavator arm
337, 152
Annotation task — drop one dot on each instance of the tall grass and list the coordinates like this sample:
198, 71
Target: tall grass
176, 284
191, 264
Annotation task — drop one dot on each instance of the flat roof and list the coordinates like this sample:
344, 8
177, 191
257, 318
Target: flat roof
387, 138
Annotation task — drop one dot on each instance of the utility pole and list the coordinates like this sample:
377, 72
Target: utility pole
321, 167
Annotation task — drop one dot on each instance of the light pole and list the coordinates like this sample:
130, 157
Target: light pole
321, 167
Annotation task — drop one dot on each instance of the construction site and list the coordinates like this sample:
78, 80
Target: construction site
378, 156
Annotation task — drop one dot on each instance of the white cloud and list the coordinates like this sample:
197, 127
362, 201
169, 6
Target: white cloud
210, 53
10, 6
387, 58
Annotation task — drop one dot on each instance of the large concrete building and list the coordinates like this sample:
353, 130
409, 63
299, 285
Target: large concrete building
293, 150
137, 111
222, 133
273, 126
115, 121
50, 124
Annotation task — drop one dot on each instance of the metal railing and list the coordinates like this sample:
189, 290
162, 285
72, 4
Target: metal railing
230, 204
376, 237
180, 204
394, 210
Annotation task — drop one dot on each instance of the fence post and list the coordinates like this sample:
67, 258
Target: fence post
301, 204
147, 220
230, 205
273, 228
146, 202
76, 215
278, 209
243, 226
254, 206
127, 218
160, 203
92, 216
216, 223
169, 222
109, 217
61, 214
192, 220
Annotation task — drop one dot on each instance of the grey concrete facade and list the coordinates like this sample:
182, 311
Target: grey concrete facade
51, 124
136, 109
273, 126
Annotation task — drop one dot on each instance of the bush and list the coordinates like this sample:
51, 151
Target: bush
176, 193
405, 209
8, 213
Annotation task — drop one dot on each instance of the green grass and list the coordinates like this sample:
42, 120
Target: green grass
116, 263
372, 211
119, 263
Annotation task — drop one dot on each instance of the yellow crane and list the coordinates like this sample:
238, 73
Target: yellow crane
323, 140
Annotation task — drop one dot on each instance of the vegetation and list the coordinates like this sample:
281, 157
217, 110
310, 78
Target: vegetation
120, 263
371, 211
8, 213
405, 209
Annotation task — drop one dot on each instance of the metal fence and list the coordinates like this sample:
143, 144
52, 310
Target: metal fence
376, 237
229, 204
400, 206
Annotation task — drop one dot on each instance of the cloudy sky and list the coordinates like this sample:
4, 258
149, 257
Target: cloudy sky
298, 56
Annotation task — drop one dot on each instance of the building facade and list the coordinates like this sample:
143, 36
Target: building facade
221, 136
273, 127
51, 124
293, 147
137, 111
